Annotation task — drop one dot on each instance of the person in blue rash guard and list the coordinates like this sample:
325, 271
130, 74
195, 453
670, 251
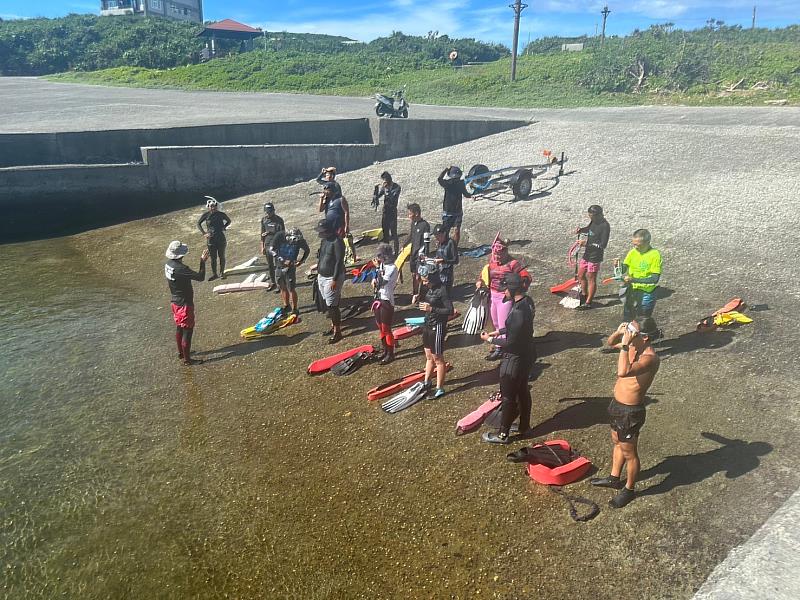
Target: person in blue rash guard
286, 247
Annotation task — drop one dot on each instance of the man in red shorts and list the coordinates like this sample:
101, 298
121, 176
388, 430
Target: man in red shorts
180, 277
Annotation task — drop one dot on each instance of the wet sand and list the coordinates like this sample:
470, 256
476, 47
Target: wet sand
127, 475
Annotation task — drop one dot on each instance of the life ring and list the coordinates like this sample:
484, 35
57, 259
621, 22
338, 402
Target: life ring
453, 55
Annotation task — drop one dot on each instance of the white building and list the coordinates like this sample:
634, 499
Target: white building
182, 10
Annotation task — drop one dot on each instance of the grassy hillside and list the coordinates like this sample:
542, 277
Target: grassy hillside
700, 67
89, 43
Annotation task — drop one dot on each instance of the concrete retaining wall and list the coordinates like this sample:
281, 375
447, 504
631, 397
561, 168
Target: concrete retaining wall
123, 146
48, 200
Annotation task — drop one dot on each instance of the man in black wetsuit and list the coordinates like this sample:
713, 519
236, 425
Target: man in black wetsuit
286, 247
216, 221
519, 354
390, 191
271, 224
180, 277
455, 190
416, 237
597, 233
446, 256
330, 276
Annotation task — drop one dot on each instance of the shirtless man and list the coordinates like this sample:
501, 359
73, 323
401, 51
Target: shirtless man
637, 366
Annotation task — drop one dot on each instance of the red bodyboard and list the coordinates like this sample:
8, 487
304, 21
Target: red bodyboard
564, 287
323, 365
478, 416
398, 385
568, 473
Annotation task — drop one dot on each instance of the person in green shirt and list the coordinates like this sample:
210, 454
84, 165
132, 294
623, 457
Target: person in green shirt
641, 273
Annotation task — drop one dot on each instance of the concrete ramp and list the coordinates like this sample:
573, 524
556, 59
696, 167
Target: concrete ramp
55, 183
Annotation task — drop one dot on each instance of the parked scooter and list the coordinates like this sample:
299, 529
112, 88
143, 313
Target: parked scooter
396, 106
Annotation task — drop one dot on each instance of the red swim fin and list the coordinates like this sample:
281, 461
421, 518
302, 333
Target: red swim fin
564, 287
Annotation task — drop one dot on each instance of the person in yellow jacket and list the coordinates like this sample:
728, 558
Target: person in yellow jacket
641, 274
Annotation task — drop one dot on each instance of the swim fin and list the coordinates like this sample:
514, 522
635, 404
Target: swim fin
356, 309
351, 364
405, 399
476, 315
270, 319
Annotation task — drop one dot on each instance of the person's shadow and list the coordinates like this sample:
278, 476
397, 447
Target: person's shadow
590, 411
249, 347
735, 457
693, 340
477, 379
554, 342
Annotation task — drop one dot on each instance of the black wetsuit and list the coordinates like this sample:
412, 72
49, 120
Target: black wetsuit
270, 227
391, 197
449, 253
455, 190
216, 221
283, 250
519, 354
417, 239
433, 333
597, 240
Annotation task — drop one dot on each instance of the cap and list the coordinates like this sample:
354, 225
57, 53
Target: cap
330, 185
176, 249
439, 230
511, 281
453, 173
269, 207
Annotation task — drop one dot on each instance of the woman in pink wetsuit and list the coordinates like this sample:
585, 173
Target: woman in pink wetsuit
492, 274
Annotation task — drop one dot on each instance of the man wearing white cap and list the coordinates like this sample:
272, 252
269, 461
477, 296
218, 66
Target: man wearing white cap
179, 277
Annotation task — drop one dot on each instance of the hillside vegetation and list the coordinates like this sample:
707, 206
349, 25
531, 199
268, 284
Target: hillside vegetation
90, 43
713, 65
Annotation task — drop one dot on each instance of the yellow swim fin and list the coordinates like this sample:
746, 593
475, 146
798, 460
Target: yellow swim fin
373, 234
731, 317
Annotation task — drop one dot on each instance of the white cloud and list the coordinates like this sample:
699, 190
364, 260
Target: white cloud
9, 17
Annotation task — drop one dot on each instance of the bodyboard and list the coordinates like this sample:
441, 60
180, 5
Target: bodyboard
474, 419
401, 259
249, 266
398, 385
324, 364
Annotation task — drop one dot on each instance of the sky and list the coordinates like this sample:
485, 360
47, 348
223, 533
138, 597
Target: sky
485, 20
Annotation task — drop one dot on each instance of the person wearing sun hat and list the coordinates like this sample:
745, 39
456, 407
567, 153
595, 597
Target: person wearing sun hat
179, 278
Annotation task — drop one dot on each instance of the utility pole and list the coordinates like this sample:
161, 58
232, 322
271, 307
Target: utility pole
518, 7
605, 12
753, 26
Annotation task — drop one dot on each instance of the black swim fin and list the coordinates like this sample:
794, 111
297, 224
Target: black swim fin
350, 365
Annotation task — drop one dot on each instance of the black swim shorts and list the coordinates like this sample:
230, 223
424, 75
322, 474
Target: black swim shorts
287, 277
626, 420
433, 338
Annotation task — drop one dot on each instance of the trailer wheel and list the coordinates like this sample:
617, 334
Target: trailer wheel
523, 184
480, 182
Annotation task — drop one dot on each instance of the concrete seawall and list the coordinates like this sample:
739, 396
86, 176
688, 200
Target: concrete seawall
76, 192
